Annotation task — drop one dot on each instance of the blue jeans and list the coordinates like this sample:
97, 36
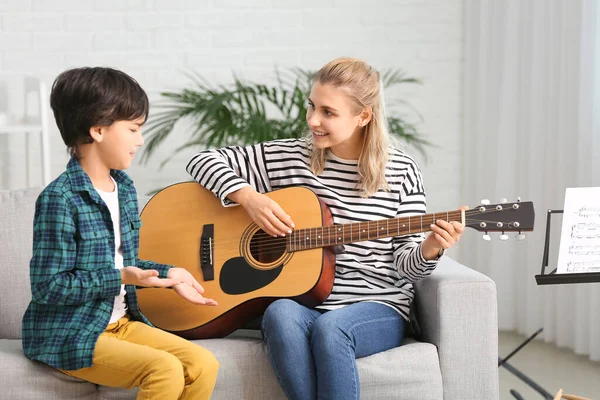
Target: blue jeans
313, 354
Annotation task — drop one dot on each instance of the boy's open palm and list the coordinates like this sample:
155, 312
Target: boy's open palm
192, 295
188, 287
144, 277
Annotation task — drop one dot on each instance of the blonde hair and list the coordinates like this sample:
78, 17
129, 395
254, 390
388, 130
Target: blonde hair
363, 85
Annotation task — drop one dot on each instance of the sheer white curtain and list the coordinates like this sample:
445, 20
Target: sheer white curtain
532, 129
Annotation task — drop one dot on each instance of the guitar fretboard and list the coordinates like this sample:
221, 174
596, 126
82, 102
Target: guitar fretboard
325, 236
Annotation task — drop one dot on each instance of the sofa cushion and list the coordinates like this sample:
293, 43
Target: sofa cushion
411, 371
21, 378
408, 372
404, 373
16, 235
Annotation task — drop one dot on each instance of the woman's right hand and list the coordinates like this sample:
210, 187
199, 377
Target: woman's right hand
267, 214
145, 277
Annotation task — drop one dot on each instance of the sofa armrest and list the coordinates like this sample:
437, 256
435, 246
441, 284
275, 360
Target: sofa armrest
457, 312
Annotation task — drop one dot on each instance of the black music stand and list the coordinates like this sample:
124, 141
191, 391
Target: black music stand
503, 363
552, 278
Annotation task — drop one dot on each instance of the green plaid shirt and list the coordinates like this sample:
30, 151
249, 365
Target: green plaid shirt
73, 276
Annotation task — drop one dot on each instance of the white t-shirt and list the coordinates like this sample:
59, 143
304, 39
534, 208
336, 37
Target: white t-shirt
112, 201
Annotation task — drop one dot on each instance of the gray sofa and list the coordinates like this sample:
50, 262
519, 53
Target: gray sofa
456, 359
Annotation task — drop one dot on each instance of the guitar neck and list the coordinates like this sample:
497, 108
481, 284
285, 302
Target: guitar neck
325, 236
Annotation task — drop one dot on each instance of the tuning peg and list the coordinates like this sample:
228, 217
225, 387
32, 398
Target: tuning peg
520, 236
502, 200
485, 202
518, 199
503, 236
487, 237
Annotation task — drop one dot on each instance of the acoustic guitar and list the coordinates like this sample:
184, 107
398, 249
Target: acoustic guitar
245, 269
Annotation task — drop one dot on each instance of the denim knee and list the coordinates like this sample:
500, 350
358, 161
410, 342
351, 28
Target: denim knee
328, 332
285, 318
279, 312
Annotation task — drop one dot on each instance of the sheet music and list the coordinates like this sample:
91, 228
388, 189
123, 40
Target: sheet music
580, 235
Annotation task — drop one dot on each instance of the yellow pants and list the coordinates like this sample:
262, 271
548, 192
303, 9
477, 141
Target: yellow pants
164, 366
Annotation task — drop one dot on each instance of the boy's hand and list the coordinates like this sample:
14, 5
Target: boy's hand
147, 278
190, 294
189, 288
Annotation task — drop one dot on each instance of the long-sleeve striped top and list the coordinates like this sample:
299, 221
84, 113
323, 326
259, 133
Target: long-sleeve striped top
380, 270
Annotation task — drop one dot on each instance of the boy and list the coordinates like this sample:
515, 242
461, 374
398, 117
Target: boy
83, 318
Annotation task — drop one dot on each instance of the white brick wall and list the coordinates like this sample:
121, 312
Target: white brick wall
156, 40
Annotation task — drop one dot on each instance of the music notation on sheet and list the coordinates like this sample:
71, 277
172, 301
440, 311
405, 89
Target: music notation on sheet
580, 234
584, 250
585, 230
586, 211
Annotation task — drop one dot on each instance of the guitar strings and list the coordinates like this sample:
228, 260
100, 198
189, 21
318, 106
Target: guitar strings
277, 241
272, 245
373, 230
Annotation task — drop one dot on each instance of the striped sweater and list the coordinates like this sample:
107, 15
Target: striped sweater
381, 270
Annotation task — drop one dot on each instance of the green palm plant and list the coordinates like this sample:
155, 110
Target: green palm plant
247, 113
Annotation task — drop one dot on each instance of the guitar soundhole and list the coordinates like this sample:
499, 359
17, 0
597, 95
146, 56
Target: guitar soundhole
265, 248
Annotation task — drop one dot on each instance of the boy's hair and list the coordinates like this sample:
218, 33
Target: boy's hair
362, 84
86, 97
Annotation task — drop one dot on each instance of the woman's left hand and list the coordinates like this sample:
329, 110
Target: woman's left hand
189, 288
443, 236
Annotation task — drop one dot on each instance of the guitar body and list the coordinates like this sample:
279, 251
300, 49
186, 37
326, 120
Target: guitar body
239, 266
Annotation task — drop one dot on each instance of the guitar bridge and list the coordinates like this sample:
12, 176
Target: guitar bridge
207, 251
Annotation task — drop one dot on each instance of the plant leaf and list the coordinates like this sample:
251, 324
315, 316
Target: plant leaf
241, 113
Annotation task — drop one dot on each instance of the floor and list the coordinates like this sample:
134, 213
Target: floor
550, 367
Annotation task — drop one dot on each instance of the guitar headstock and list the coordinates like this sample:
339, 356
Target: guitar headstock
501, 217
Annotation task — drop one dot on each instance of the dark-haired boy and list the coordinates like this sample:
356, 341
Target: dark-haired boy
83, 318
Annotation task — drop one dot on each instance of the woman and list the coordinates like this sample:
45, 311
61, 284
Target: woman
348, 162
